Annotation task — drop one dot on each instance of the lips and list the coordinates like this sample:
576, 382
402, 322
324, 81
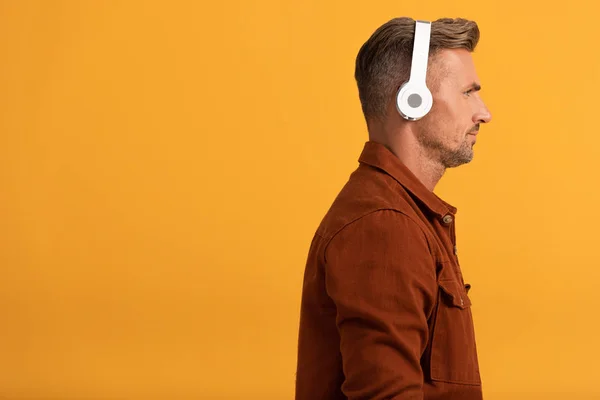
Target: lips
474, 130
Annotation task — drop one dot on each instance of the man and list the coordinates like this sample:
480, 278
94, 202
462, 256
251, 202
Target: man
385, 312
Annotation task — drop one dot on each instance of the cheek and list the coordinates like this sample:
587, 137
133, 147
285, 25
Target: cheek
456, 110
447, 121
459, 116
446, 108
447, 118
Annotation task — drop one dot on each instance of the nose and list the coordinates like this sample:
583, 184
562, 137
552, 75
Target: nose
483, 115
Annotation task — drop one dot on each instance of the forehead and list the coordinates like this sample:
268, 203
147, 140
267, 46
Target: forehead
455, 66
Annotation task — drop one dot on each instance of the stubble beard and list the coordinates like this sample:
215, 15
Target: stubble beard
441, 153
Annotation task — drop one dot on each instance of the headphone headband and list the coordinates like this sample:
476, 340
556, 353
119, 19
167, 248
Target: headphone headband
418, 69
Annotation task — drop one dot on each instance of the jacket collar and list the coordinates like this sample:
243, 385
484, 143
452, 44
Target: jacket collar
377, 155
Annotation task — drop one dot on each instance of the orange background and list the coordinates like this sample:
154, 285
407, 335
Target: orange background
163, 166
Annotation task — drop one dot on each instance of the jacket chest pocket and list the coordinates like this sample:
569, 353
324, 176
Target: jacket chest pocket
453, 348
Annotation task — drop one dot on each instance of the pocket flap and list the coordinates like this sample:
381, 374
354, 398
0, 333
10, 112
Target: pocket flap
456, 292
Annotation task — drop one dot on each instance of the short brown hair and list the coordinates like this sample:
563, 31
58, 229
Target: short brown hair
383, 61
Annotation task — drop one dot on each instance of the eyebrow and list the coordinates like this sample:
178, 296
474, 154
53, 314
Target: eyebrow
474, 87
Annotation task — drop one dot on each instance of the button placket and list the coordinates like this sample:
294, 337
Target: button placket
450, 221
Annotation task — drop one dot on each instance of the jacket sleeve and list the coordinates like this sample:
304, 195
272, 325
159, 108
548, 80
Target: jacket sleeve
381, 277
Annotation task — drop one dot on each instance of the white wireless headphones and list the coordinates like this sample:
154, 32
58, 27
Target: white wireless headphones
414, 99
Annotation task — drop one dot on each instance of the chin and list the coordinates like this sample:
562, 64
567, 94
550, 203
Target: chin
457, 162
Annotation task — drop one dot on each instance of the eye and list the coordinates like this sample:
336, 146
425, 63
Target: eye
468, 92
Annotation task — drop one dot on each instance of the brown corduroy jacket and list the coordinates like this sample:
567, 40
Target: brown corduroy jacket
385, 312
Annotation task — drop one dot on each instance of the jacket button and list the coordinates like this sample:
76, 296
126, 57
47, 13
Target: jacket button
447, 219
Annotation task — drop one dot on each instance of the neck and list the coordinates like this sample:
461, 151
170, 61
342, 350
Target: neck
403, 143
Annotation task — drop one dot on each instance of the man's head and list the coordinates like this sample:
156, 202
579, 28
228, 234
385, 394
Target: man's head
447, 133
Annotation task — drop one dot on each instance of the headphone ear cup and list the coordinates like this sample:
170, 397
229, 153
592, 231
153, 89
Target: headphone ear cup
413, 101
399, 101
